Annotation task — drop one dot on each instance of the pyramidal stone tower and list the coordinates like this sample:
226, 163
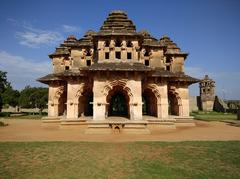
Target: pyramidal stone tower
117, 74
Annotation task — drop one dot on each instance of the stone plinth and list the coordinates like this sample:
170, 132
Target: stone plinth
117, 126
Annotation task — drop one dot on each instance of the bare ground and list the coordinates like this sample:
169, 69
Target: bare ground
32, 130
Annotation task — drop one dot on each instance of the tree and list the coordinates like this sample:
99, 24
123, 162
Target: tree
24, 100
10, 96
3, 85
39, 98
32, 97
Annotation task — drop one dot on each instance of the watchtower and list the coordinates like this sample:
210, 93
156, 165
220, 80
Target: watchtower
207, 93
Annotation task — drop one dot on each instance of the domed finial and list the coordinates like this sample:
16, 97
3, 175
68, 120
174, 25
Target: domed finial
89, 33
118, 12
165, 36
72, 38
145, 33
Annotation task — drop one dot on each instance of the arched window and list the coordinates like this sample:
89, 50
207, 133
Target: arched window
118, 43
107, 43
168, 60
88, 53
129, 44
147, 53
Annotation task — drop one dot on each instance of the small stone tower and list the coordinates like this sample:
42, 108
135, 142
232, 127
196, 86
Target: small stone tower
207, 93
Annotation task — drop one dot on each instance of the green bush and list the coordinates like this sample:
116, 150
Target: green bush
5, 114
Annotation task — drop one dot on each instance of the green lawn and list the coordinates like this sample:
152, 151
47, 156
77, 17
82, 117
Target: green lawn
213, 116
120, 160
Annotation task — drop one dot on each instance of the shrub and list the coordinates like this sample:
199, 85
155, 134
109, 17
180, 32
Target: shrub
5, 114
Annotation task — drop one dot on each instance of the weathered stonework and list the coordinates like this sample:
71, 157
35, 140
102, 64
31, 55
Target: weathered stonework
207, 93
118, 72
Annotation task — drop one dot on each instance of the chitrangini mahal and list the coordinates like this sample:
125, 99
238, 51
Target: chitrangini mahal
118, 79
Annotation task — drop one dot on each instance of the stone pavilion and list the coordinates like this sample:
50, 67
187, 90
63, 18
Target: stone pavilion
118, 79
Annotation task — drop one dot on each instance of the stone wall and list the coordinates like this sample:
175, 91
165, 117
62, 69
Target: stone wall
193, 103
219, 105
18, 109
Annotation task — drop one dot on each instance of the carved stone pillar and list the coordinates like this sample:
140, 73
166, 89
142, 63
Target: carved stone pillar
184, 108
99, 110
99, 100
101, 55
54, 94
112, 50
73, 93
184, 103
136, 100
124, 50
135, 111
162, 109
135, 51
52, 108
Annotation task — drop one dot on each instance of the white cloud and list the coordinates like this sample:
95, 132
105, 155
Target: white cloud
69, 28
32, 37
13, 21
21, 71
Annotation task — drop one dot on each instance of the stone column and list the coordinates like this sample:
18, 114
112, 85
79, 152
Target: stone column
134, 50
101, 54
136, 101
184, 106
54, 93
52, 108
112, 50
73, 92
124, 50
162, 111
99, 100
184, 109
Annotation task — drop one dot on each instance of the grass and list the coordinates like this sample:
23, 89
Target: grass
26, 116
120, 160
213, 116
34, 117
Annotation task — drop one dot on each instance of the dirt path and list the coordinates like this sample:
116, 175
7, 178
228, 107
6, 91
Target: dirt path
32, 130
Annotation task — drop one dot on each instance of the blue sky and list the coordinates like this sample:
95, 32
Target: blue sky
207, 30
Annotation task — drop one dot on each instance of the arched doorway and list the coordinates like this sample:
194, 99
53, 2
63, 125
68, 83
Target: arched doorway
85, 106
88, 107
118, 101
118, 105
149, 103
62, 106
173, 104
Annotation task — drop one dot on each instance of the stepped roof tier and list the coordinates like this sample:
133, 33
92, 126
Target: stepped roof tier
118, 25
117, 22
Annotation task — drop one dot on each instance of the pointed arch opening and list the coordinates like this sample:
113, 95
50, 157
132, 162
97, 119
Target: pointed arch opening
85, 105
149, 103
174, 103
62, 106
60, 100
118, 102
